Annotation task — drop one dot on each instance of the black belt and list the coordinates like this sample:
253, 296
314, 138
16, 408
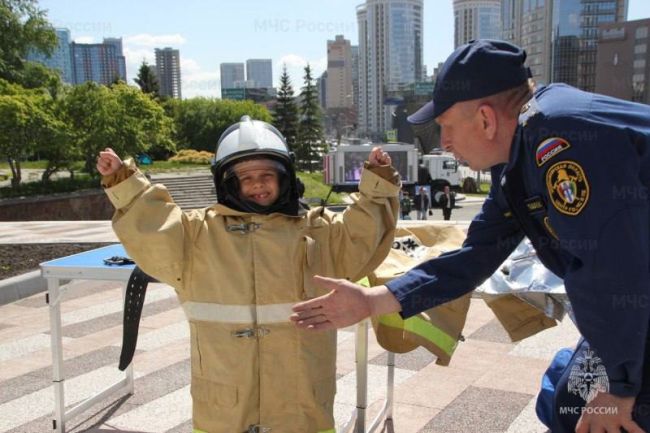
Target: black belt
136, 288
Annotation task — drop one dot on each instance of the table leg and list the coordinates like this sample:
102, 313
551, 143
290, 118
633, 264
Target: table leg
54, 304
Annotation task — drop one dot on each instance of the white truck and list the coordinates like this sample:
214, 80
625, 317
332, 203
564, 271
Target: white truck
442, 168
342, 167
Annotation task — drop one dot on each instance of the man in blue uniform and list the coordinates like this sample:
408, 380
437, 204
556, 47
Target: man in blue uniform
571, 172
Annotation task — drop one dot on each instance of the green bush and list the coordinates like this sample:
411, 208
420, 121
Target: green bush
192, 156
79, 182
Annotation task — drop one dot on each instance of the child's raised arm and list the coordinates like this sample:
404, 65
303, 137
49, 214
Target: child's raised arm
108, 162
378, 157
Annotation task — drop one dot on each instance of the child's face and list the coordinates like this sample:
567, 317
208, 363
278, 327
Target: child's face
258, 181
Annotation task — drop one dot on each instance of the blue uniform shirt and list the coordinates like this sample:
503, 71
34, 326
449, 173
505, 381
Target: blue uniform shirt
576, 185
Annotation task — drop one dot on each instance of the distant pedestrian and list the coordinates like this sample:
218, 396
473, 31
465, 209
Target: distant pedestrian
422, 203
447, 202
405, 206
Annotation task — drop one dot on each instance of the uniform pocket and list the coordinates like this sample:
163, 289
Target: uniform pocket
213, 393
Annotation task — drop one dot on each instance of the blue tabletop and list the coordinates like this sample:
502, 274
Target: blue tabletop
89, 264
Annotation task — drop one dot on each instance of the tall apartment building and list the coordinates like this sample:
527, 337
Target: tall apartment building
260, 71
230, 73
354, 53
60, 59
168, 71
560, 36
623, 62
390, 59
103, 63
476, 19
121, 60
339, 74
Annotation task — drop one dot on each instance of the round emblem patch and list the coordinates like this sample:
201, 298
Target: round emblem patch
567, 187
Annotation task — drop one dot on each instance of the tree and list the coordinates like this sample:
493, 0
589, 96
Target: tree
26, 121
285, 115
147, 80
23, 26
199, 122
311, 146
120, 117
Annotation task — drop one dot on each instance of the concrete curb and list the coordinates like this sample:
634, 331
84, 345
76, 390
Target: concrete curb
21, 286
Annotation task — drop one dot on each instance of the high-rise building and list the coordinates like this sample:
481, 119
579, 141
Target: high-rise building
103, 63
260, 71
121, 60
168, 71
390, 59
354, 51
60, 59
321, 86
560, 36
623, 62
476, 19
339, 74
231, 72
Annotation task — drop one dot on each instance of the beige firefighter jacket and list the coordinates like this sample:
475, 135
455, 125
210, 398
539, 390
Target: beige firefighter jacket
439, 329
237, 275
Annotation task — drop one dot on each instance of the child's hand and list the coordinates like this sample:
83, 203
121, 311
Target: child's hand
378, 157
108, 162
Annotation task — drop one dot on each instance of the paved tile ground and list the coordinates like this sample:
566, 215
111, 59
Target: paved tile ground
490, 385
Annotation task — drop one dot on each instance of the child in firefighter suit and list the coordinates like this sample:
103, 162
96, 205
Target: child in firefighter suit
240, 265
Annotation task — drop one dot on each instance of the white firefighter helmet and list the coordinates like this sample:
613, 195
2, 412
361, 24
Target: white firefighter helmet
253, 139
249, 137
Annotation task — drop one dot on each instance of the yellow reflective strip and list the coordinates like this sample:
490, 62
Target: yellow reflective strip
421, 327
365, 282
196, 430
328, 431
238, 314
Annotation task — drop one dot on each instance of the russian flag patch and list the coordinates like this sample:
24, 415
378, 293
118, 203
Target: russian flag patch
548, 148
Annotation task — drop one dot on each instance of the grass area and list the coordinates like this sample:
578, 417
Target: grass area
484, 189
4, 165
315, 188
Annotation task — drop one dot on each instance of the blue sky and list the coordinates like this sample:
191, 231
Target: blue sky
210, 32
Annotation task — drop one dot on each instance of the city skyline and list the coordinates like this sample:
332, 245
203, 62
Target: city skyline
207, 34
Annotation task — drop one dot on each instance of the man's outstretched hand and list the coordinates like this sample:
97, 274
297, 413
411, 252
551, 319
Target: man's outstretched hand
346, 304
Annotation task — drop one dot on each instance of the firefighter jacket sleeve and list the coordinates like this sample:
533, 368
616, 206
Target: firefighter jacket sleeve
361, 236
149, 225
597, 190
491, 237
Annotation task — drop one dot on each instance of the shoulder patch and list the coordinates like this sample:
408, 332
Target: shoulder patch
548, 148
567, 187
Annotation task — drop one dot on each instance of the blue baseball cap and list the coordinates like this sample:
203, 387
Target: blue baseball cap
475, 70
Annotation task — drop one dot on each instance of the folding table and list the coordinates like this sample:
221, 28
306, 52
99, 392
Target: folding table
88, 265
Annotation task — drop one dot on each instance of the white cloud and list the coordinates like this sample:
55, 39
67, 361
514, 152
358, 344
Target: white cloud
85, 40
195, 82
155, 41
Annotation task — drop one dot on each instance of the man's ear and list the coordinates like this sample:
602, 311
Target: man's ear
488, 118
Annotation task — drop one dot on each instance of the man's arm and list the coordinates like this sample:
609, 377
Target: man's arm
491, 238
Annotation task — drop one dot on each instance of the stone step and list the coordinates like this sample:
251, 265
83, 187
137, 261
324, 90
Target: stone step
190, 192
